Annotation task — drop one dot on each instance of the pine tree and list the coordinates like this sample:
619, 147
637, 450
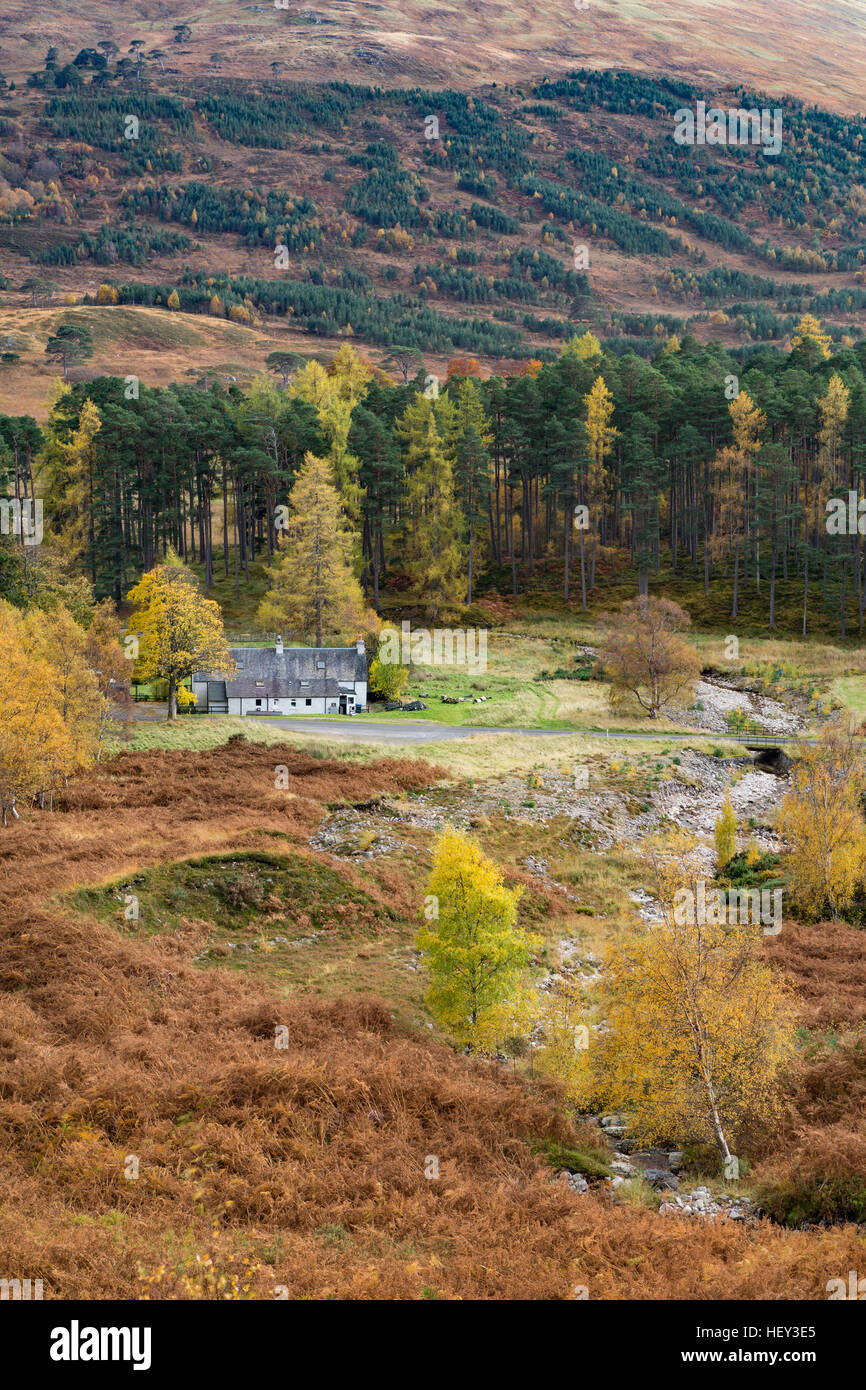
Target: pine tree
467, 438
381, 476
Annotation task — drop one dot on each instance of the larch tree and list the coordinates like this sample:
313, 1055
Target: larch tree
336, 391
432, 549
600, 434
179, 630
474, 951
70, 475
834, 408
748, 423
811, 340
313, 590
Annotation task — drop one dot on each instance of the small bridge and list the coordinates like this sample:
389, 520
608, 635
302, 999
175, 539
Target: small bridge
756, 741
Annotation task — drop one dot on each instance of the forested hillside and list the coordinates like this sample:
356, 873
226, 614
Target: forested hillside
494, 223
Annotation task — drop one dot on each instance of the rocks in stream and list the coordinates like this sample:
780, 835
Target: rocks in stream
659, 1167
701, 1202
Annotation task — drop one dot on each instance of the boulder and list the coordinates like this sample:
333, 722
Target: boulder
660, 1177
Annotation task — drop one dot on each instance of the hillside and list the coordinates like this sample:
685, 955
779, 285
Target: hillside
529, 214
718, 41
157, 347
155, 1041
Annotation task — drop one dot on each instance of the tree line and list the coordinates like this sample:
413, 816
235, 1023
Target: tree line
571, 472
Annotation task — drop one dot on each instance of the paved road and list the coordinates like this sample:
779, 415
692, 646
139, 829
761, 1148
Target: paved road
410, 731
416, 730
425, 731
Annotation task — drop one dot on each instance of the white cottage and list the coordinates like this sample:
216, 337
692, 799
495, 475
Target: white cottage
287, 680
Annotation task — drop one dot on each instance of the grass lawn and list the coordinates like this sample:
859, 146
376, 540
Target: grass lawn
851, 690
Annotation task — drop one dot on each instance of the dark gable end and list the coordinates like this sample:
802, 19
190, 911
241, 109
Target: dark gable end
281, 690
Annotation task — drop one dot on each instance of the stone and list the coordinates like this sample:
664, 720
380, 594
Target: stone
660, 1177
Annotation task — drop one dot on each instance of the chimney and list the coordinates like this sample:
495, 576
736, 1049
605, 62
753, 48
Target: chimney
360, 648
279, 646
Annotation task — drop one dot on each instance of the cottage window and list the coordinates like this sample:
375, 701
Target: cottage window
308, 702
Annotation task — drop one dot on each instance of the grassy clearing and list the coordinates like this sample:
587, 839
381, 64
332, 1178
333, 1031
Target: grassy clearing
851, 690
532, 643
162, 347
194, 733
295, 920
489, 756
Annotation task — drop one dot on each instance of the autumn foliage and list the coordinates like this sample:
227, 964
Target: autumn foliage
645, 658
309, 1163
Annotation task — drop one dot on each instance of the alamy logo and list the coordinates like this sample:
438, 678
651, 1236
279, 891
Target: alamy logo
22, 519
856, 1288
717, 127
846, 518
77, 1343
444, 646
20, 1290
713, 907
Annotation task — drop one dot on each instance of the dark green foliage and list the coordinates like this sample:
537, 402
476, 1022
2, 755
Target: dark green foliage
112, 244
259, 218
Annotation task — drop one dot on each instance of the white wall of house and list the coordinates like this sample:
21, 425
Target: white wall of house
270, 705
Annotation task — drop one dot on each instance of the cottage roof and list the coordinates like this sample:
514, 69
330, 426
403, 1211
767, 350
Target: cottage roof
292, 665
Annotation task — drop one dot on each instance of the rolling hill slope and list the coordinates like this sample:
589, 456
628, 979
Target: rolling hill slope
715, 41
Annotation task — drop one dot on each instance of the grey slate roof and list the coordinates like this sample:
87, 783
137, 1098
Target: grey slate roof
293, 665
277, 689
